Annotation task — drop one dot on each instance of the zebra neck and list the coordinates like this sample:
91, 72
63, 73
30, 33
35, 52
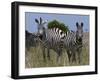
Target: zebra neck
78, 41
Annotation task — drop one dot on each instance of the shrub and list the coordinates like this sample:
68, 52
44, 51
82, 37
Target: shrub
57, 24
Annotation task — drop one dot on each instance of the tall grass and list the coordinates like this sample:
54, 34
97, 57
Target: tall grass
34, 58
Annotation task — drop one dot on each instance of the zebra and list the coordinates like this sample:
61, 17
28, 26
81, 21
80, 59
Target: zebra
31, 39
79, 39
51, 38
73, 42
56, 39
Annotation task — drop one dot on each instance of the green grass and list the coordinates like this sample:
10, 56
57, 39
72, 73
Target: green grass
34, 58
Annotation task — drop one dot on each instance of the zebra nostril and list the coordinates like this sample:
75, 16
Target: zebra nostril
41, 37
80, 39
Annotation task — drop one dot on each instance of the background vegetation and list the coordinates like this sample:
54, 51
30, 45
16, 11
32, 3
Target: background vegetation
57, 24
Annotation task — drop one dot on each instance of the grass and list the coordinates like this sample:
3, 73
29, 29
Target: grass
34, 58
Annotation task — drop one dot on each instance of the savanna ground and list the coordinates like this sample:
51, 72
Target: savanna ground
34, 56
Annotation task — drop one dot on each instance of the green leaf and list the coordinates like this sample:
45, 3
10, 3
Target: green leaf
57, 24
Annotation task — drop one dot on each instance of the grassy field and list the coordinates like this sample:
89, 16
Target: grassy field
34, 56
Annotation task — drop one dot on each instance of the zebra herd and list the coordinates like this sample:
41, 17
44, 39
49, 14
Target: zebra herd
56, 40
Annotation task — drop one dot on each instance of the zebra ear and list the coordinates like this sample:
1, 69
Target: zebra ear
45, 22
81, 24
40, 20
77, 24
36, 21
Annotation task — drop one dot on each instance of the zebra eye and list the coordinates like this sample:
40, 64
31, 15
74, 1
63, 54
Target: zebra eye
61, 32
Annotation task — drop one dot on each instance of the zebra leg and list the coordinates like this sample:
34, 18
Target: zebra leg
58, 55
69, 55
44, 54
79, 54
73, 57
58, 58
78, 57
48, 53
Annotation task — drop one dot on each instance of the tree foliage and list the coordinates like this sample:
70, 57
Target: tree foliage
57, 24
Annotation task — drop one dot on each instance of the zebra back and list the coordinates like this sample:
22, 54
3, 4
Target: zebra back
70, 39
53, 38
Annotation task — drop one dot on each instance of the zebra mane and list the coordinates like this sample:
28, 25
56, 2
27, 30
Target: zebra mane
72, 31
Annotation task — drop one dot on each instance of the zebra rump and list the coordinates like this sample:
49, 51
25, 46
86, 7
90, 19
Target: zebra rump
70, 44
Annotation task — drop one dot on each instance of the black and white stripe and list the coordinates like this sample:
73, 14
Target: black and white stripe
53, 40
54, 36
56, 39
70, 39
70, 43
73, 42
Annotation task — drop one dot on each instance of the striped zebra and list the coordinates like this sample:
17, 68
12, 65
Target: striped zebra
73, 42
51, 38
56, 39
30, 39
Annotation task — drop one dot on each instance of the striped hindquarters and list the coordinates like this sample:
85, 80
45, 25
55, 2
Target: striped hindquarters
70, 39
54, 37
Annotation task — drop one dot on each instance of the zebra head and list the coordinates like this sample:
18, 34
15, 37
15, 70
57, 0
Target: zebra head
41, 27
79, 31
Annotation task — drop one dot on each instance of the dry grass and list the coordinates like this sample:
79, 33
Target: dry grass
34, 57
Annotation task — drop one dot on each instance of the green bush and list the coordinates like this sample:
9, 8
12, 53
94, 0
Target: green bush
57, 24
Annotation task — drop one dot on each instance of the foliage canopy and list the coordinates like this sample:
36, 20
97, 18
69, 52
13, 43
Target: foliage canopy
57, 24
